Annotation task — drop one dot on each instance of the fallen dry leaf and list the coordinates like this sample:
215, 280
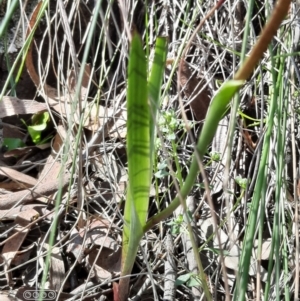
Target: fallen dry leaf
106, 265
13, 186
96, 234
11, 214
22, 256
52, 167
12, 130
75, 245
17, 176
21, 197
119, 129
195, 88
10, 106
57, 268
265, 249
97, 271
13, 245
21, 151
84, 89
233, 251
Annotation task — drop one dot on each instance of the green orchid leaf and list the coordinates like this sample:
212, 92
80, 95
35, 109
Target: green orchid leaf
142, 104
138, 152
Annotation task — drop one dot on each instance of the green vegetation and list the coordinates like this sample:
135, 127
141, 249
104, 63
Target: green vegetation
122, 134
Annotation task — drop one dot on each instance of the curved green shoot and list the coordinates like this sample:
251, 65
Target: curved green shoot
216, 112
154, 85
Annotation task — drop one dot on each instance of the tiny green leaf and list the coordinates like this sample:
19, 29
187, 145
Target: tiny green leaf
183, 279
162, 165
161, 174
12, 143
193, 281
39, 124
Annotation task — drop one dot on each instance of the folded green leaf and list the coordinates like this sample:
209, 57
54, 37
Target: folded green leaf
138, 152
142, 104
39, 124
